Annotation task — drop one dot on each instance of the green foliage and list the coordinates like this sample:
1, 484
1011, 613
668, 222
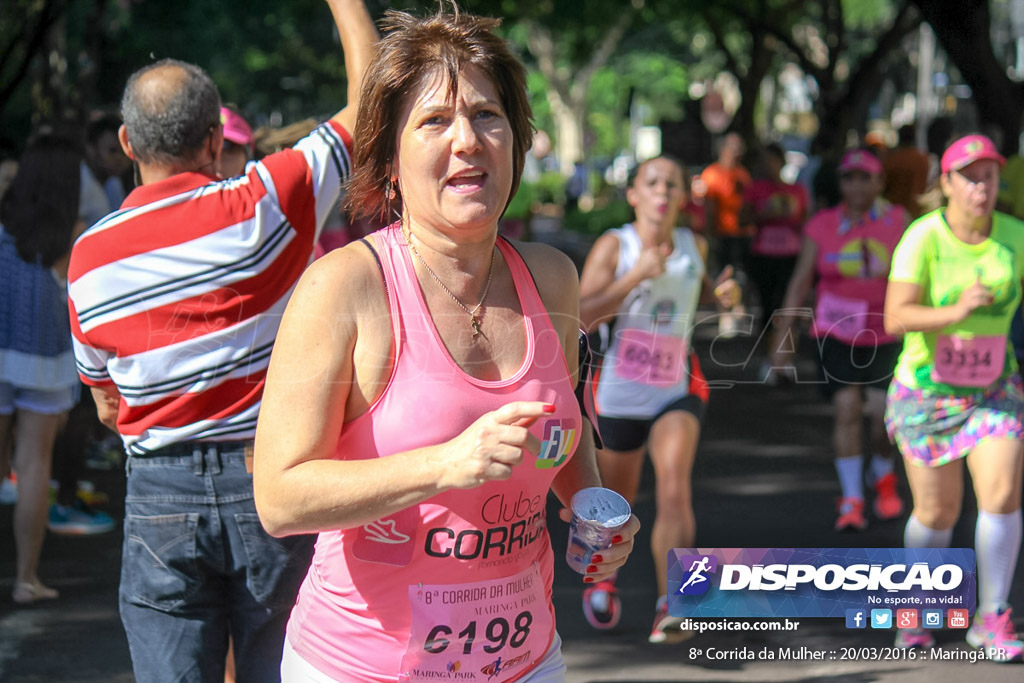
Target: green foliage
867, 14
538, 87
522, 203
268, 56
608, 113
660, 80
602, 218
263, 55
550, 188
579, 27
657, 80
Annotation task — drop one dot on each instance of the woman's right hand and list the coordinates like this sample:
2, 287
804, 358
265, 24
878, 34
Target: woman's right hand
490, 447
972, 298
651, 262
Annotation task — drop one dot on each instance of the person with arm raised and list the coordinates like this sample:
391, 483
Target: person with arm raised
175, 300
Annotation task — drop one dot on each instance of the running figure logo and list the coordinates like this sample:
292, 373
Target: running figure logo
695, 581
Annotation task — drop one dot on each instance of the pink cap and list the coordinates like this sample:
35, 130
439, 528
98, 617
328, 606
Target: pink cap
860, 160
236, 130
969, 149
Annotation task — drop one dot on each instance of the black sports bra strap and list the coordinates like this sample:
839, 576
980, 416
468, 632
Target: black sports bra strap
376, 257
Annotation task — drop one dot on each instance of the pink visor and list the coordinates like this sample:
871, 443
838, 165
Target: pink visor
860, 160
969, 149
236, 130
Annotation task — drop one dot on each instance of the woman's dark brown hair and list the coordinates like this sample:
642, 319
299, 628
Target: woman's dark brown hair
411, 49
635, 172
40, 208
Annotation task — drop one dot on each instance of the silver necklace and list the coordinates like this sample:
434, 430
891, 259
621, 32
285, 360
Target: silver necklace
475, 314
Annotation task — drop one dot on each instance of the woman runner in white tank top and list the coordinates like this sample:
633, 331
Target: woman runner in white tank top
646, 366
646, 279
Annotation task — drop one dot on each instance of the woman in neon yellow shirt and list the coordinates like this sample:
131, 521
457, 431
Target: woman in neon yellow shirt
957, 396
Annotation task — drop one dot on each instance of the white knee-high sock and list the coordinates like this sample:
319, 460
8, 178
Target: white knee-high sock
917, 535
997, 541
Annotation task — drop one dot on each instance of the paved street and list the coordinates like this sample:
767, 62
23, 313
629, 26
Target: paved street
763, 478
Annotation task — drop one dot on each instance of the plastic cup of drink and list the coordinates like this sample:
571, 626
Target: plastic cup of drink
597, 514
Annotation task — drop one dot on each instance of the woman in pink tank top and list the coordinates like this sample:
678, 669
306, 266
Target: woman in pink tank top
419, 404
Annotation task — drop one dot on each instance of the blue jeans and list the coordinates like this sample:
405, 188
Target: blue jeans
197, 566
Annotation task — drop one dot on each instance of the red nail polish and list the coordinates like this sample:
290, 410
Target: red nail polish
597, 558
591, 569
616, 539
588, 579
549, 407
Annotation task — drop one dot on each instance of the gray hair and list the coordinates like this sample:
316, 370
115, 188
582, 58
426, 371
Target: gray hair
168, 109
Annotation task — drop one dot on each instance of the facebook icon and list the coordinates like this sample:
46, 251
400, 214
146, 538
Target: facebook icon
856, 618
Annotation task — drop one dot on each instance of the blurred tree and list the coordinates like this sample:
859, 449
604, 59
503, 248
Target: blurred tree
265, 56
26, 32
649, 85
855, 42
63, 57
282, 61
963, 28
843, 45
569, 44
749, 52
23, 28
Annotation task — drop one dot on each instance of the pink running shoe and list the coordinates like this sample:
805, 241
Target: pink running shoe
667, 629
910, 638
851, 515
994, 632
888, 504
601, 605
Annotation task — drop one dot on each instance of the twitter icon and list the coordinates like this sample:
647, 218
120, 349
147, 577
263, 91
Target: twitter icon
881, 618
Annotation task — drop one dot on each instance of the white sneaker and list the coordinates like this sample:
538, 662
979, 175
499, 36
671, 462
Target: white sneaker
727, 326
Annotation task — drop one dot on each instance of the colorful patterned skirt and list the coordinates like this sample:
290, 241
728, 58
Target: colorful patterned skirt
933, 429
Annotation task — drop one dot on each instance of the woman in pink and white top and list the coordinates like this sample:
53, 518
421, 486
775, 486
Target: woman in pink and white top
849, 249
778, 210
419, 404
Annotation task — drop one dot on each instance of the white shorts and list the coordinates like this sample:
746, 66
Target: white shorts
295, 669
53, 402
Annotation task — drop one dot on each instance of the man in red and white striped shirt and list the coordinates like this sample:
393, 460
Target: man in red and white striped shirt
175, 301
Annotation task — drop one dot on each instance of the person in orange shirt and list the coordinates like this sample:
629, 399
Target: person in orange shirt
726, 181
906, 172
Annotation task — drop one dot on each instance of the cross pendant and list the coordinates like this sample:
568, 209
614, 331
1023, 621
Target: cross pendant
475, 322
